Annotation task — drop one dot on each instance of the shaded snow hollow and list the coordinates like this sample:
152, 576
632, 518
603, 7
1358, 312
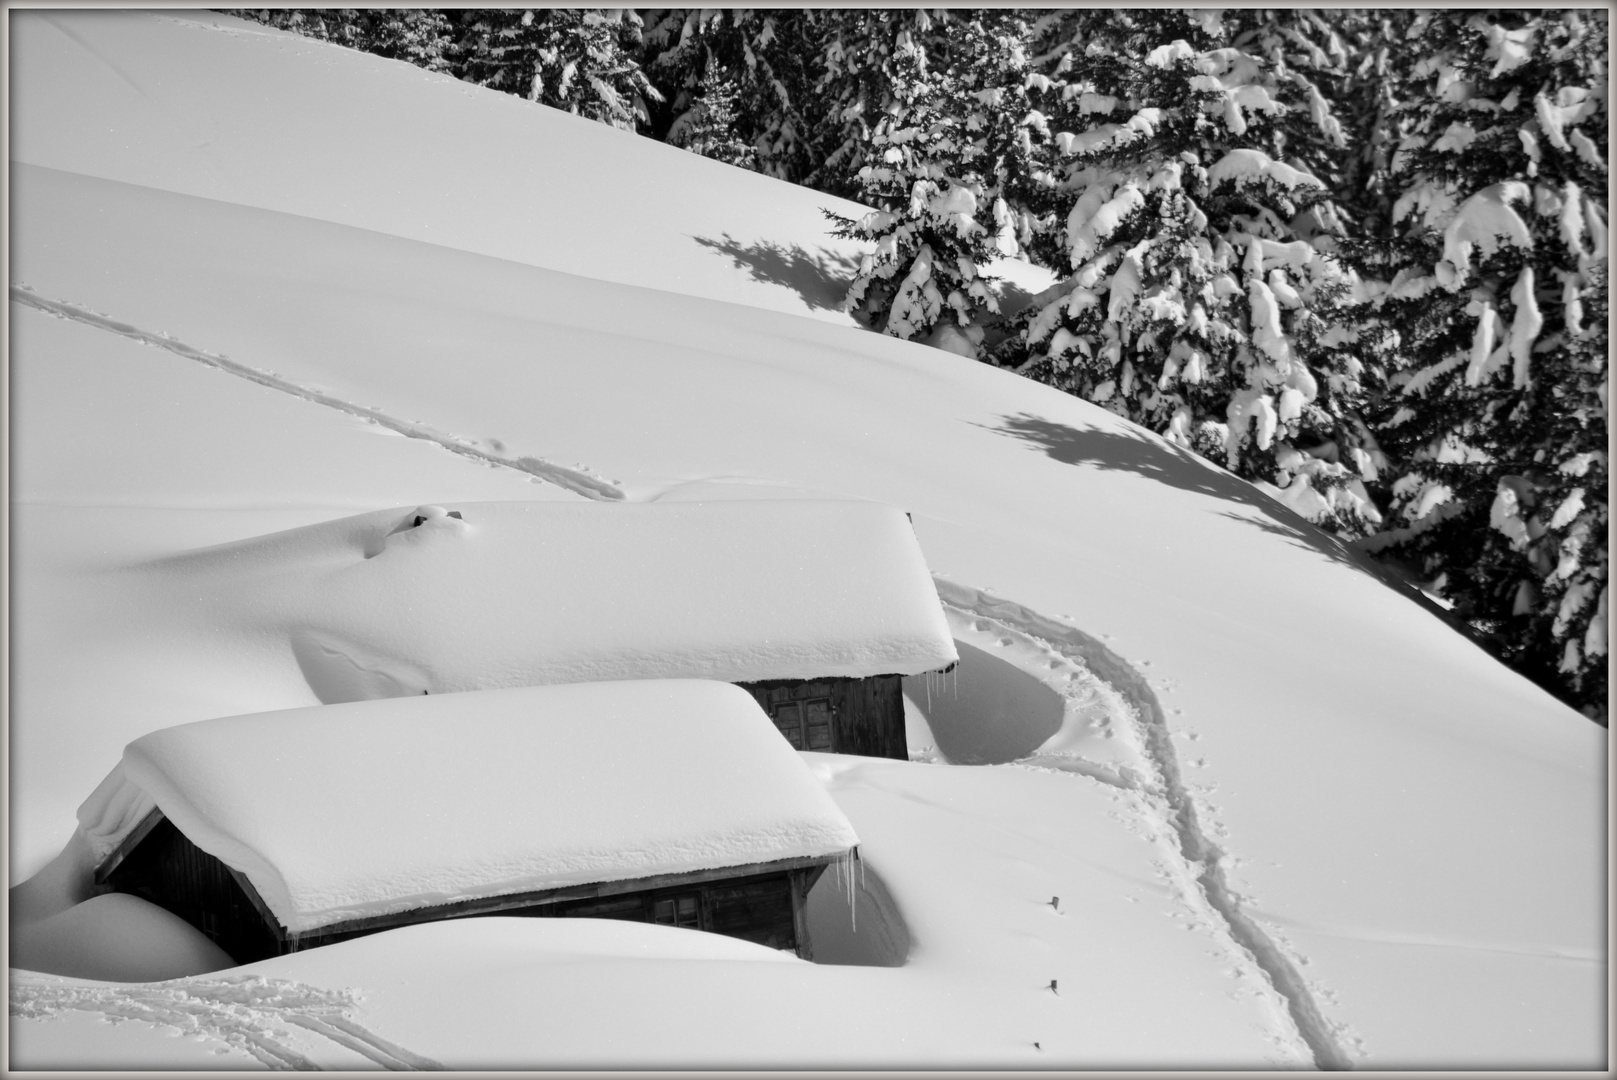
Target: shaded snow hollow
346, 811
404, 601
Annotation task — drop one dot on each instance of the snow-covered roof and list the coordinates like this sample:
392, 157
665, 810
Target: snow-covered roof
532, 593
345, 811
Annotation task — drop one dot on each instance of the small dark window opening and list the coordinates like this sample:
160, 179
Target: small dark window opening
683, 910
806, 724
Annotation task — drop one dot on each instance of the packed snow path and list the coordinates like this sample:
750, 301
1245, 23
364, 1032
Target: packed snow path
573, 479
1164, 796
249, 1013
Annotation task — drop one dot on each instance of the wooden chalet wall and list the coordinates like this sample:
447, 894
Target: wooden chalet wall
866, 715
165, 868
161, 865
767, 909
764, 909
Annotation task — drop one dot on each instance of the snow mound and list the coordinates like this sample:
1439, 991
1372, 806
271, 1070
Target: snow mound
117, 937
488, 595
346, 811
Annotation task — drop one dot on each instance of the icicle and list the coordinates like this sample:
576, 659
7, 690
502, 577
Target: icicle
853, 893
842, 867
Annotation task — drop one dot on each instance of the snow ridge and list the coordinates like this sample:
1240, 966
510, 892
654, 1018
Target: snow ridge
248, 1012
578, 481
1204, 857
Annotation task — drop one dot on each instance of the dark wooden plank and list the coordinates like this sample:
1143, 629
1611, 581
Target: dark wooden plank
870, 717
167, 869
760, 911
801, 882
257, 902
128, 844
511, 902
867, 714
623, 907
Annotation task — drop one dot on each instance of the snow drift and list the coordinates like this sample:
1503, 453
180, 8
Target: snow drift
350, 811
378, 605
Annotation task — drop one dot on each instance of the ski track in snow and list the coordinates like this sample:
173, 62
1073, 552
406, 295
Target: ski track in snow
249, 1012
575, 480
1167, 792
243, 1010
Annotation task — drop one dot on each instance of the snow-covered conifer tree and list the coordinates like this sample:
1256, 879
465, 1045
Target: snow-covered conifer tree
580, 60
1203, 299
1358, 60
928, 241
419, 36
992, 81
1495, 281
765, 59
865, 64
942, 158
708, 128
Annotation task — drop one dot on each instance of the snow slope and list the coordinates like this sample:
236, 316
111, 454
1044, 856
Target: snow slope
1291, 816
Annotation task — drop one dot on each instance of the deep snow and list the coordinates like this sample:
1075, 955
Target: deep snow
367, 808
375, 605
1324, 828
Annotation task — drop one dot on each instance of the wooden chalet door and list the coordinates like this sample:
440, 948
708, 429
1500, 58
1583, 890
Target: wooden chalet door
806, 724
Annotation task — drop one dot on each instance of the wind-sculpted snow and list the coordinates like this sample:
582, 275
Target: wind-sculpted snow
575, 480
1158, 779
247, 1012
383, 604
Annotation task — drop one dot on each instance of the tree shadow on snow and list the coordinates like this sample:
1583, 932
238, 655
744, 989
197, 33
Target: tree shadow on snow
820, 277
1176, 467
1182, 469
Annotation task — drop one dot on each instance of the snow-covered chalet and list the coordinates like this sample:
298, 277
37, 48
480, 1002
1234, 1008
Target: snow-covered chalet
663, 801
818, 608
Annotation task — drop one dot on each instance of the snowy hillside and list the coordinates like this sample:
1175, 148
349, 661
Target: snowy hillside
1203, 791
